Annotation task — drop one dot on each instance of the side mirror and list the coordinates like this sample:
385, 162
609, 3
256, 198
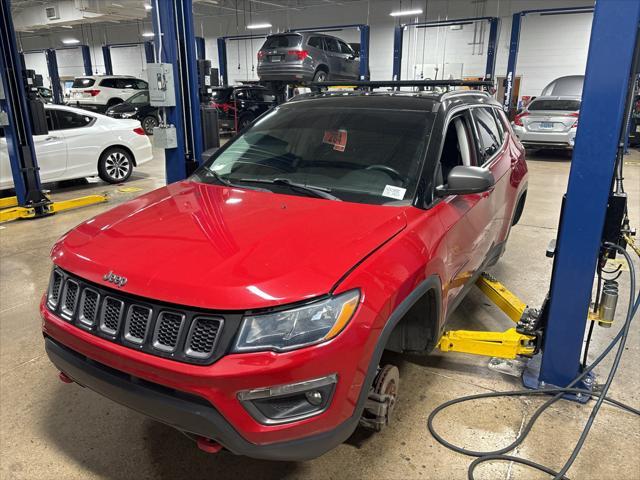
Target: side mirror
463, 180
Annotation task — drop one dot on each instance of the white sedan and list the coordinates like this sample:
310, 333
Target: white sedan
84, 144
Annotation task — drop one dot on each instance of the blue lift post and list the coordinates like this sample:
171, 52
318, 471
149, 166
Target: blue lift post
604, 97
200, 49
223, 66
514, 44
22, 156
398, 39
106, 53
173, 28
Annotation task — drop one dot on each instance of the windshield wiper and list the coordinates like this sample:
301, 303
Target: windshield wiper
320, 192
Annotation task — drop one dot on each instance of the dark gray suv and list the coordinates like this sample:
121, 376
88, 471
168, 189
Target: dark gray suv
307, 57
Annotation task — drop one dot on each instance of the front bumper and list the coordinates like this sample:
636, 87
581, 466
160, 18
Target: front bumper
560, 140
203, 400
185, 412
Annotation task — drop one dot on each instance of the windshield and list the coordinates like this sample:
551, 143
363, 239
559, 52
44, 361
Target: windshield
564, 105
141, 98
357, 154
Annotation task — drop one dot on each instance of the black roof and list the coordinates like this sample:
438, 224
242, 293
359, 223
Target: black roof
392, 100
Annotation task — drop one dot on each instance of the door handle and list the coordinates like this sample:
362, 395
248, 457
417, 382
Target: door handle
51, 138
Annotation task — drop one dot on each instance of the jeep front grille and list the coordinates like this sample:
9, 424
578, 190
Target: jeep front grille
180, 333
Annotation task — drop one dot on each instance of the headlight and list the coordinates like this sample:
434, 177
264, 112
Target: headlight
127, 114
297, 327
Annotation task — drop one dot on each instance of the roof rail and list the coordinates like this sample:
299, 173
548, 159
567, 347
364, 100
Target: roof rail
403, 83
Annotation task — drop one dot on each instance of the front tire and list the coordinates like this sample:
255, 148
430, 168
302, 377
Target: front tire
115, 165
321, 76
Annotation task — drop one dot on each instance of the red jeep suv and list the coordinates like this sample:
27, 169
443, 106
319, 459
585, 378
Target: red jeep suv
249, 305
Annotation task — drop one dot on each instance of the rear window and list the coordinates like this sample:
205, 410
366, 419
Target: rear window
83, 82
221, 95
565, 105
277, 41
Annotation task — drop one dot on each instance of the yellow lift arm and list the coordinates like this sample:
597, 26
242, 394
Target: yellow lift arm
9, 209
507, 344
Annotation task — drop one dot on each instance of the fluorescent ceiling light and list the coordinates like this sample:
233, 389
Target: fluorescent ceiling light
404, 13
70, 41
147, 6
257, 26
148, 34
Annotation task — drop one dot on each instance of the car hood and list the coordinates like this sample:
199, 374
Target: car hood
223, 248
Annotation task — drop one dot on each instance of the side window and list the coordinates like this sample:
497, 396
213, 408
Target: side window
499, 123
332, 45
315, 42
489, 136
142, 85
66, 120
344, 48
456, 149
127, 83
108, 83
50, 124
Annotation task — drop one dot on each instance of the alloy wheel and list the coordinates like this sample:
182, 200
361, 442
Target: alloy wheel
117, 165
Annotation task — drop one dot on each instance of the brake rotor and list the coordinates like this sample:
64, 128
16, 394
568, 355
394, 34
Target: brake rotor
387, 383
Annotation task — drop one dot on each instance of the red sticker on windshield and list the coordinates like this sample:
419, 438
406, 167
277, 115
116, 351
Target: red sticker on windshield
337, 138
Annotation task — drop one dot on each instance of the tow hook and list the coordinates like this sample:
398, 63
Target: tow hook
208, 445
64, 378
379, 406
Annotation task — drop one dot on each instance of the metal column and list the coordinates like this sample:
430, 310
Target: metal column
86, 59
614, 37
222, 61
200, 48
514, 44
22, 157
173, 26
52, 66
149, 52
106, 55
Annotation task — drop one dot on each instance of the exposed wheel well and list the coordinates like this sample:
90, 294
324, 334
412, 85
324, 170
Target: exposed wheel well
322, 67
417, 330
126, 149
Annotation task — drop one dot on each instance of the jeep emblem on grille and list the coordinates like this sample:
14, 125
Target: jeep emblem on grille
117, 280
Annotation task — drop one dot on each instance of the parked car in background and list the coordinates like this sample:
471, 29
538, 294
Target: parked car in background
249, 305
83, 144
571, 86
307, 57
99, 92
548, 122
240, 105
138, 108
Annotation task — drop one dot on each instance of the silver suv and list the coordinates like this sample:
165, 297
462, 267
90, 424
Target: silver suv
307, 57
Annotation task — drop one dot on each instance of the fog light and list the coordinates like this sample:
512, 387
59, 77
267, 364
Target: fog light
314, 397
290, 402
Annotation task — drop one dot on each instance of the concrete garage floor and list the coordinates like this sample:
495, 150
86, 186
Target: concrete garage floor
50, 430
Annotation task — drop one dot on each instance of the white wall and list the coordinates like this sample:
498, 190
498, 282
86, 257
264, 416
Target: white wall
551, 46
38, 62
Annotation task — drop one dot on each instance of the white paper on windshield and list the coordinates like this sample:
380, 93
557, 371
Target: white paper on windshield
392, 191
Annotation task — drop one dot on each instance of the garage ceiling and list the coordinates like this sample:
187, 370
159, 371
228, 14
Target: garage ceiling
33, 15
